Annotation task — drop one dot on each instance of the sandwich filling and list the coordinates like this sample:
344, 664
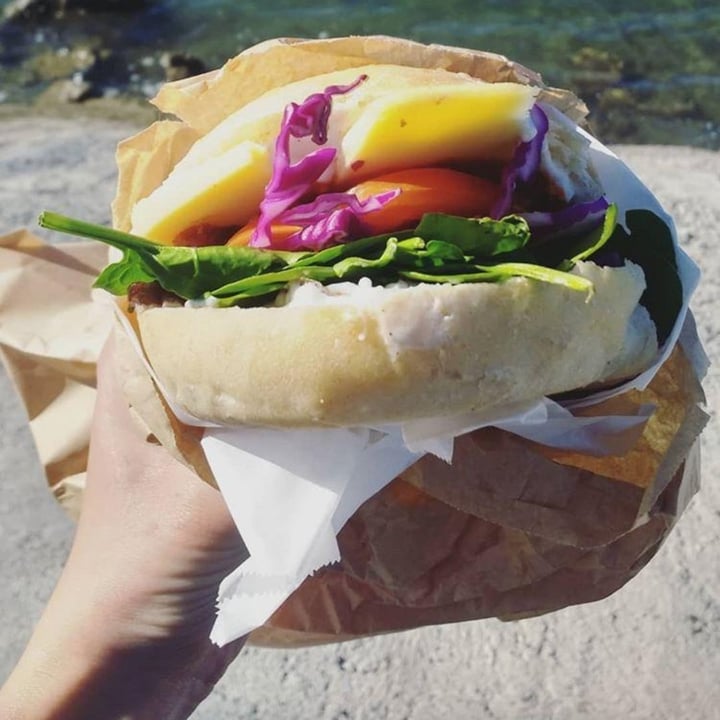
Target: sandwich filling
475, 210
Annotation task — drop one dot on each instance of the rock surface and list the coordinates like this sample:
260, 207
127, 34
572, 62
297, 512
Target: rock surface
650, 650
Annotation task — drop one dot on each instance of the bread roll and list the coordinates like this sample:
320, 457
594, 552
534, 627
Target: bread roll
373, 355
341, 355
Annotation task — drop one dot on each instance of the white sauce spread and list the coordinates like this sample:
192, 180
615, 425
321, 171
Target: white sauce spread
209, 301
361, 293
404, 322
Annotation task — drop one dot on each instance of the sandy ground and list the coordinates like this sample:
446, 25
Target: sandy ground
650, 651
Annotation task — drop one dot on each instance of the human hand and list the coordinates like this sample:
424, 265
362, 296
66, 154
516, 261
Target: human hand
125, 633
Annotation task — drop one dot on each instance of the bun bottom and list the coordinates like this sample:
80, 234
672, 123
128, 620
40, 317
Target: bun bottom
390, 355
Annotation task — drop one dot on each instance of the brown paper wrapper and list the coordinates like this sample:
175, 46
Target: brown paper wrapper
203, 101
53, 370
504, 531
511, 529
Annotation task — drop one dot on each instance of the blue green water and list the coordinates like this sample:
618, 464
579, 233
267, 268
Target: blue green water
649, 71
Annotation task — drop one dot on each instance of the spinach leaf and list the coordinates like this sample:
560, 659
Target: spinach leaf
355, 265
189, 272
439, 252
119, 276
592, 242
442, 249
256, 283
479, 237
361, 247
192, 272
259, 295
504, 271
563, 251
186, 271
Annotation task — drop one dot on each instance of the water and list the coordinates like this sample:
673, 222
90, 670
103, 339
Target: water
649, 74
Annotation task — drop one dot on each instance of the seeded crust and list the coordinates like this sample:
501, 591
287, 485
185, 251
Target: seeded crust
422, 351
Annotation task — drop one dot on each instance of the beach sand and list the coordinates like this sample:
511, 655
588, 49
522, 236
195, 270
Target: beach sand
650, 650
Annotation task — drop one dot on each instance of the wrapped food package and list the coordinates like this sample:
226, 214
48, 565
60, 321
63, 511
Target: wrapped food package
514, 526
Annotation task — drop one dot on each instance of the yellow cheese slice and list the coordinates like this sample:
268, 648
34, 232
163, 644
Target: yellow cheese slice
437, 124
260, 120
223, 191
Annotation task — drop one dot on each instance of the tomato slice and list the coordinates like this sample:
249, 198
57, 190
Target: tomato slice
422, 190
279, 233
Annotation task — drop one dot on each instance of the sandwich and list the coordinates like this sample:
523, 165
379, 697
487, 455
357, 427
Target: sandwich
382, 243
348, 233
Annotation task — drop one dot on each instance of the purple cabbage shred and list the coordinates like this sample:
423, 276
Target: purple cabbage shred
583, 216
331, 217
523, 165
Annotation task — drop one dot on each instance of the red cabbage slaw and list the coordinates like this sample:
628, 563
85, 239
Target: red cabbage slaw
524, 164
584, 215
335, 217
331, 217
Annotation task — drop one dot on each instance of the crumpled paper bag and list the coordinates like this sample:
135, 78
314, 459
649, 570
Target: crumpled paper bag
51, 336
511, 529
53, 370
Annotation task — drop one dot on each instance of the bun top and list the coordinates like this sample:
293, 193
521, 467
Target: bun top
282, 71
204, 101
396, 118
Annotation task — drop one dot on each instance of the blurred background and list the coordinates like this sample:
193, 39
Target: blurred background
648, 71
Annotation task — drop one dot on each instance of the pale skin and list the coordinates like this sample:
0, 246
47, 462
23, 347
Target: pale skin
125, 632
